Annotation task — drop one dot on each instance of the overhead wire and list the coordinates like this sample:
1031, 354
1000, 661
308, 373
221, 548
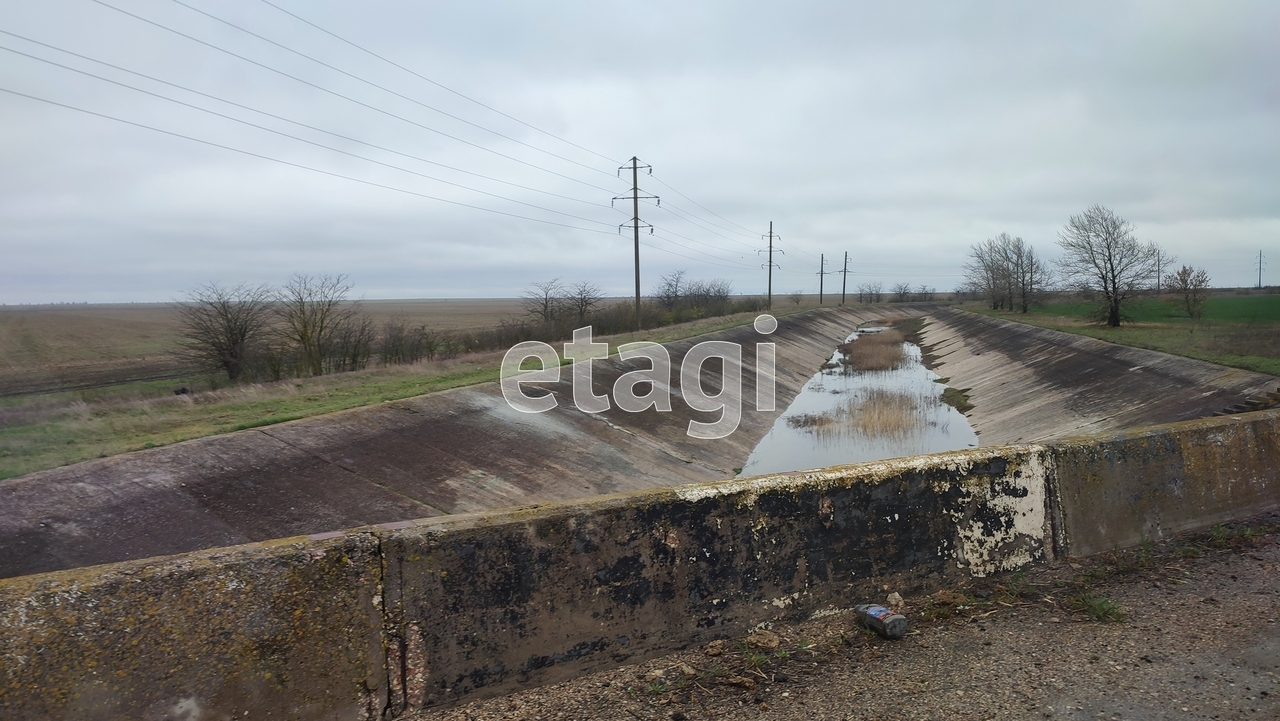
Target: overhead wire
281, 118
302, 140
297, 165
383, 88
344, 97
748, 232
433, 82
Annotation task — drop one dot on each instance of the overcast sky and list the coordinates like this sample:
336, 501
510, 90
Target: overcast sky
901, 133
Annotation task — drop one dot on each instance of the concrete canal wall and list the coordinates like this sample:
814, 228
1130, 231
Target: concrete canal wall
380, 621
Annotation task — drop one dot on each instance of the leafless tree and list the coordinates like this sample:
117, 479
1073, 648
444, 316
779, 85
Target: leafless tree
924, 293
1191, 285
349, 345
221, 327
901, 292
311, 309
707, 294
671, 288
875, 290
582, 298
1101, 255
1163, 260
796, 296
544, 301
1007, 271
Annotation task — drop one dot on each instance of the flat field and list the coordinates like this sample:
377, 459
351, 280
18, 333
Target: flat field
91, 381
1242, 331
51, 348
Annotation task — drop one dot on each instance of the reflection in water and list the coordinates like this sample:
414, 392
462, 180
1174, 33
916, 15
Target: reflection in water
846, 415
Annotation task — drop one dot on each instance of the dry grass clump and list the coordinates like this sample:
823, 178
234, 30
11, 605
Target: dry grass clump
880, 351
878, 413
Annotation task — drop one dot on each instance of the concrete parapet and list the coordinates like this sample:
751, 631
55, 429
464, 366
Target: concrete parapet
381, 621
1114, 491
287, 630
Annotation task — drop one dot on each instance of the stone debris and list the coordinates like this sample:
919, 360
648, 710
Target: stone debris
715, 648
895, 601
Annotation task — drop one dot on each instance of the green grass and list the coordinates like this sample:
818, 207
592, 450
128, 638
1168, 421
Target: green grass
1242, 331
57, 429
1099, 608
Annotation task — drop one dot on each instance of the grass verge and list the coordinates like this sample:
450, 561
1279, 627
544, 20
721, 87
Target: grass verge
1237, 331
57, 429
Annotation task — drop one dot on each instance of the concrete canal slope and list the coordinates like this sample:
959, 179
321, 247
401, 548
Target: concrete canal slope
380, 622
451, 452
1030, 384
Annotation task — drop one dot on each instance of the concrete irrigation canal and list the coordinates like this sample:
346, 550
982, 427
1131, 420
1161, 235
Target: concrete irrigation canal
847, 415
465, 450
377, 562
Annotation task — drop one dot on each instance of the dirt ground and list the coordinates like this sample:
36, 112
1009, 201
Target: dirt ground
1183, 629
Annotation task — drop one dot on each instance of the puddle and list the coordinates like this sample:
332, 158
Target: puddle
851, 411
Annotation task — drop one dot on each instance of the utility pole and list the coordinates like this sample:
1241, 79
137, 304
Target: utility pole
822, 273
770, 264
844, 280
635, 218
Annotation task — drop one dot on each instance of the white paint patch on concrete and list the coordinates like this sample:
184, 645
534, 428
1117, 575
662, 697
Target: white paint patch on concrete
986, 550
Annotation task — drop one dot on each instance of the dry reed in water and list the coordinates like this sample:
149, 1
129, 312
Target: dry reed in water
881, 351
877, 413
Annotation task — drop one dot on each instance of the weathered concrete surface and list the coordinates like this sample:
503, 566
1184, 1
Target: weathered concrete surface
1116, 491
451, 452
492, 603
287, 630
382, 621
1030, 384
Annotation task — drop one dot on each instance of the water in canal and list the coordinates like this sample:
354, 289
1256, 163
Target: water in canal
845, 415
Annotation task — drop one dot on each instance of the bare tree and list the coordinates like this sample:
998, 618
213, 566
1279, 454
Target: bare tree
545, 300
901, 292
310, 309
1007, 272
1163, 260
1192, 288
875, 290
349, 344
925, 293
796, 296
1101, 255
221, 327
1032, 277
671, 288
582, 298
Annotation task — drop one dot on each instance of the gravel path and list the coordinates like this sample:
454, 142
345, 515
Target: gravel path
1199, 639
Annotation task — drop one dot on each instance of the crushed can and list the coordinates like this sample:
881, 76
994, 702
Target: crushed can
881, 620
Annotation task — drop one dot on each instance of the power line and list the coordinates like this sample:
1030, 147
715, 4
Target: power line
635, 220
822, 275
304, 140
345, 97
770, 264
281, 118
380, 87
683, 215
433, 82
295, 165
690, 257
747, 231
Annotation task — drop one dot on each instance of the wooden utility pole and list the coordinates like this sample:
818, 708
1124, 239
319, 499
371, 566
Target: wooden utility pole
844, 280
822, 273
635, 223
770, 264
